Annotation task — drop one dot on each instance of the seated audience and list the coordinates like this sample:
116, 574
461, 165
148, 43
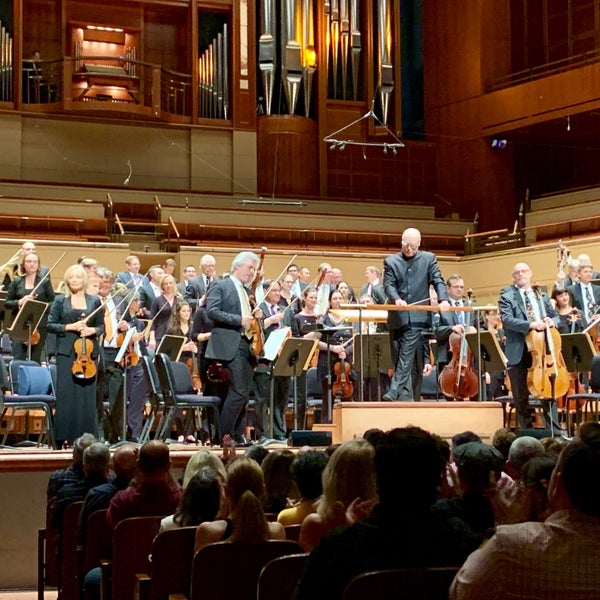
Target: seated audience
558, 558
198, 461
244, 489
307, 469
401, 531
279, 484
74, 472
348, 482
535, 477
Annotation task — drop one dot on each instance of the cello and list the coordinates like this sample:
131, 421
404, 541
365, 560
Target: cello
548, 376
458, 379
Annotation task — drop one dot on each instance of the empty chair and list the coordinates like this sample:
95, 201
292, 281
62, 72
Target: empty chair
175, 396
407, 584
279, 577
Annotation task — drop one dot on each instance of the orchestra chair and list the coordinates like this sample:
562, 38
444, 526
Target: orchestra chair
46, 557
157, 403
226, 570
32, 390
280, 576
585, 404
131, 546
177, 390
171, 567
69, 555
407, 584
292, 532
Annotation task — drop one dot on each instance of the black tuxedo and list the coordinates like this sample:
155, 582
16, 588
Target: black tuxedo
409, 279
580, 301
195, 290
377, 293
227, 344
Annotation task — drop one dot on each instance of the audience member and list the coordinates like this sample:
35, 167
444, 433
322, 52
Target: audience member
401, 531
348, 482
521, 450
200, 460
555, 559
307, 469
464, 438
257, 453
244, 488
154, 491
74, 472
535, 477
279, 484
502, 440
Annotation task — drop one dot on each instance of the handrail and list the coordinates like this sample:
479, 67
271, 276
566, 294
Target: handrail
157, 203
489, 233
172, 223
557, 223
118, 222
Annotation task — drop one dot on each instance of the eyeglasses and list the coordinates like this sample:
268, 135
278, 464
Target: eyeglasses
410, 246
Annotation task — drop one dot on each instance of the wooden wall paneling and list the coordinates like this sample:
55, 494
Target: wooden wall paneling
193, 17
243, 86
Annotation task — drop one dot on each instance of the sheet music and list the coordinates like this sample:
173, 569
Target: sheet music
275, 341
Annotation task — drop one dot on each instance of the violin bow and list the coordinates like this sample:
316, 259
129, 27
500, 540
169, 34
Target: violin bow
48, 273
276, 280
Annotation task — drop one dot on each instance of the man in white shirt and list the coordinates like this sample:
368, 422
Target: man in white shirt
586, 297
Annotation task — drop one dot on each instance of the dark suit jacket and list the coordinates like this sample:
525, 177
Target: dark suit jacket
195, 290
516, 321
579, 301
16, 291
147, 295
224, 309
409, 279
57, 320
377, 293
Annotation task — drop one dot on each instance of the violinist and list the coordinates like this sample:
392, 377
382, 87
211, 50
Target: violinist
181, 325
274, 318
78, 323
495, 380
20, 291
228, 306
162, 310
523, 310
348, 296
586, 297
570, 317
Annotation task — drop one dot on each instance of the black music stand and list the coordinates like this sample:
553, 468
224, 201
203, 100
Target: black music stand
294, 358
326, 334
171, 345
26, 322
485, 344
122, 356
377, 352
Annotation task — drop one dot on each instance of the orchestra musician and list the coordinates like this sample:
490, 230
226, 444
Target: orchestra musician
522, 310
495, 380
197, 288
131, 276
586, 297
20, 291
162, 309
76, 317
150, 288
228, 306
407, 276
570, 317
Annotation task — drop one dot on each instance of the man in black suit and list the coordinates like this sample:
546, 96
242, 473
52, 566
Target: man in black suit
231, 338
131, 277
189, 273
407, 276
586, 297
197, 287
373, 287
449, 322
275, 317
523, 309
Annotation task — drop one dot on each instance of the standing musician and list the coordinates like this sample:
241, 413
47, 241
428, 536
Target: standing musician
20, 291
274, 318
586, 297
150, 288
521, 311
162, 309
230, 341
76, 318
197, 288
407, 276
130, 277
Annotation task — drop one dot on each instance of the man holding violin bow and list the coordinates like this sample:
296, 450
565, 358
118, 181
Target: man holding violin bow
523, 309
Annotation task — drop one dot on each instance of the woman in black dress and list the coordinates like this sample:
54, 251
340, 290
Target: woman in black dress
162, 310
19, 292
75, 316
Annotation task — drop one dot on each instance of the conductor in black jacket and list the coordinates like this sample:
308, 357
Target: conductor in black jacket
407, 276
231, 338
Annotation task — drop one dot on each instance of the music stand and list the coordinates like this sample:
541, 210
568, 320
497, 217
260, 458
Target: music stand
171, 345
377, 352
294, 358
271, 350
27, 321
485, 344
122, 356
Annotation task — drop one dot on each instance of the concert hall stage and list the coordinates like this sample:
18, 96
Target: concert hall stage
352, 419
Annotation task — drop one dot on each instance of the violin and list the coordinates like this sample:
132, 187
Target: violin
458, 379
548, 376
192, 365
130, 358
256, 328
342, 386
83, 366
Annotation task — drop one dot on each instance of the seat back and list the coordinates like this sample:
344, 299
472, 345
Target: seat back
68, 553
131, 545
182, 378
13, 368
162, 363
152, 382
292, 532
212, 568
279, 577
314, 389
172, 556
595, 374
98, 540
34, 380
408, 584
4, 378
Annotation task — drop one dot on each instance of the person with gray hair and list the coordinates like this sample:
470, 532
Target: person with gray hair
228, 306
197, 287
521, 450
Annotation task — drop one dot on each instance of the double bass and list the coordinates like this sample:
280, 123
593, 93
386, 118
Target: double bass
548, 376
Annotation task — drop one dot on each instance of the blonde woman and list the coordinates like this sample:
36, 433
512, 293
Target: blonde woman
244, 490
74, 317
348, 488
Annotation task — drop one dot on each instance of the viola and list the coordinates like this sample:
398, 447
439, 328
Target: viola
256, 328
192, 365
83, 366
342, 386
458, 378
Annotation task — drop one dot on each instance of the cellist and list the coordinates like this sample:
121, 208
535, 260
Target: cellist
522, 310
